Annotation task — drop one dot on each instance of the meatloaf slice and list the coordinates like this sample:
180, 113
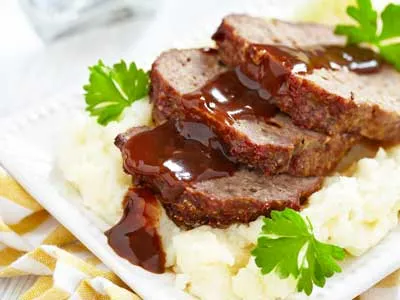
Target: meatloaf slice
239, 198
327, 100
274, 145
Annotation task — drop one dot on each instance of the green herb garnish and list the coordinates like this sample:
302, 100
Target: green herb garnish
111, 90
367, 29
288, 246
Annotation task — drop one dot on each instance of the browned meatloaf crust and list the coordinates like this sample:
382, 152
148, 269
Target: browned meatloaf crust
240, 198
276, 146
325, 100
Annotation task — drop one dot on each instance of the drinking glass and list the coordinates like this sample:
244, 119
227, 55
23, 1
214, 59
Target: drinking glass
55, 18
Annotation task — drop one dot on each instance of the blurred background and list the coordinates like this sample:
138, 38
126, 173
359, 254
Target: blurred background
46, 45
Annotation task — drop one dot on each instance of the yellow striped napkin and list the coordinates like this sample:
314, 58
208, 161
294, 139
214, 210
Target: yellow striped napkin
33, 243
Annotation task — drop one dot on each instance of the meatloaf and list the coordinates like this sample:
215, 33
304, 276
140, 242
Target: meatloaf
275, 145
238, 197
327, 100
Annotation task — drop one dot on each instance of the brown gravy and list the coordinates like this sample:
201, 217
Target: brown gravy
232, 96
135, 236
277, 62
178, 151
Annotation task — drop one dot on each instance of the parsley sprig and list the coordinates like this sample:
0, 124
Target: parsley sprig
112, 89
288, 246
367, 29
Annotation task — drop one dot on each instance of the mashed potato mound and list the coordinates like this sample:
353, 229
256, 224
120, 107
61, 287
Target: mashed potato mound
91, 163
354, 212
357, 212
216, 263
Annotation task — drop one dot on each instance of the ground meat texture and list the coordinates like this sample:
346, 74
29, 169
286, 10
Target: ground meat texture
331, 101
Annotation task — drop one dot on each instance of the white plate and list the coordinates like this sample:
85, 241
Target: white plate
27, 151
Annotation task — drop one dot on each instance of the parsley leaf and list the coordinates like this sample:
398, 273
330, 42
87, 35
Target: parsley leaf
392, 54
287, 246
390, 22
112, 89
367, 29
365, 15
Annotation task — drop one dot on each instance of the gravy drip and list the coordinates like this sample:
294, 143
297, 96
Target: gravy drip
135, 236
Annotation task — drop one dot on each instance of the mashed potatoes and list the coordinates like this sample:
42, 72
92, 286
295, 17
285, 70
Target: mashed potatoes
357, 212
92, 164
354, 212
216, 263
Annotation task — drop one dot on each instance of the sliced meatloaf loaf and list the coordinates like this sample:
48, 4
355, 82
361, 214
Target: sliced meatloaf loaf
258, 138
216, 199
327, 100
